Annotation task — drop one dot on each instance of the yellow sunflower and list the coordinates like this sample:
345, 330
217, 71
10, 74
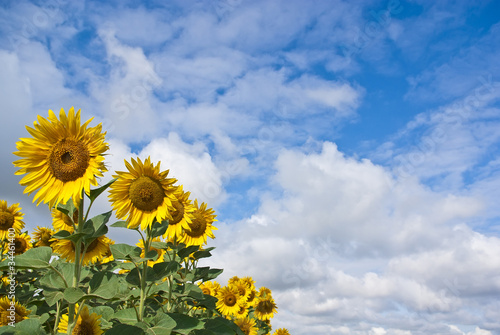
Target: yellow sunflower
210, 288
22, 242
242, 287
10, 217
62, 158
229, 301
182, 215
96, 250
281, 331
61, 221
86, 324
42, 237
265, 307
160, 252
142, 194
247, 325
7, 315
200, 226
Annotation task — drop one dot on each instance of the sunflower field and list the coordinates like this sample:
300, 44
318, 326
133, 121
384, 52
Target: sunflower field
68, 277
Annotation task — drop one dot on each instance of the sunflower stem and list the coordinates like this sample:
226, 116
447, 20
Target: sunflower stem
77, 264
146, 243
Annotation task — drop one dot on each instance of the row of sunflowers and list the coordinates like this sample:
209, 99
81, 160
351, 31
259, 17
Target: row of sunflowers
72, 279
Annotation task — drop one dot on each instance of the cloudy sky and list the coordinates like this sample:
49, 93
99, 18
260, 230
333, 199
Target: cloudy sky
349, 148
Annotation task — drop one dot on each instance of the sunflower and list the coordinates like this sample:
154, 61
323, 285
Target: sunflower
62, 158
243, 311
42, 236
210, 288
281, 331
253, 292
6, 316
200, 227
229, 301
142, 194
96, 250
10, 217
86, 324
242, 287
159, 252
265, 307
22, 242
61, 221
182, 215
247, 325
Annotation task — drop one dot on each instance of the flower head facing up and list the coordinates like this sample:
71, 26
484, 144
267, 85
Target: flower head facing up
20, 242
10, 217
62, 158
142, 194
229, 301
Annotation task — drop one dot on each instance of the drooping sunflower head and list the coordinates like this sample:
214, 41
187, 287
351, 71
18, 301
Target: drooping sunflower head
6, 317
281, 331
10, 217
86, 324
229, 301
95, 251
210, 288
200, 226
182, 215
42, 237
62, 158
142, 194
247, 325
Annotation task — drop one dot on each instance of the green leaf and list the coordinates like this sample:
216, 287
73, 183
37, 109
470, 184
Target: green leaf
201, 254
35, 258
193, 291
125, 329
53, 280
125, 251
159, 228
185, 323
68, 208
164, 321
206, 332
127, 316
96, 192
159, 245
98, 224
185, 252
223, 326
28, 326
105, 312
73, 294
120, 224
164, 269
52, 296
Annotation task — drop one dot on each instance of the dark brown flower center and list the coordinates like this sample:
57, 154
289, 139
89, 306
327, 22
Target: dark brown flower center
20, 245
198, 226
83, 328
230, 299
6, 220
206, 291
68, 160
177, 213
265, 306
146, 193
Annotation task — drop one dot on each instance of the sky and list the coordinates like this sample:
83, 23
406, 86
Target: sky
350, 149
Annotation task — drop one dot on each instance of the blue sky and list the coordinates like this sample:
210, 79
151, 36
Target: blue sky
349, 148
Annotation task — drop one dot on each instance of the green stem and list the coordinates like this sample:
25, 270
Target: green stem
77, 264
58, 310
146, 243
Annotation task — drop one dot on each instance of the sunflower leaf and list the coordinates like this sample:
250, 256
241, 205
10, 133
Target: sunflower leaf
35, 258
120, 224
98, 224
223, 326
166, 269
159, 228
68, 208
185, 252
125, 251
185, 323
127, 316
96, 192
73, 295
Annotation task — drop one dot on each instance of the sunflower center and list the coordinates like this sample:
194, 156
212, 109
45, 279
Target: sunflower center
230, 300
206, 291
20, 246
197, 226
91, 246
68, 160
265, 307
84, 328
146, 193
6, 220
178, 212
